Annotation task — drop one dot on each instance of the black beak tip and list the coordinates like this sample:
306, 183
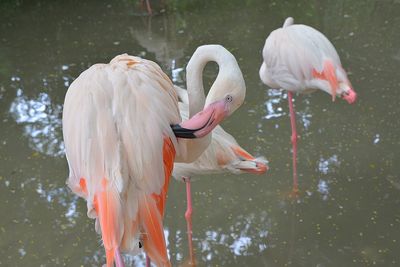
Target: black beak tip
181, 132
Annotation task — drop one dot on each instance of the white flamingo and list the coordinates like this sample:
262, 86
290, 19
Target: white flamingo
300, 59
223, 154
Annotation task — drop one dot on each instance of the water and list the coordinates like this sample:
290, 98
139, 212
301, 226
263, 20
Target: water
347, 213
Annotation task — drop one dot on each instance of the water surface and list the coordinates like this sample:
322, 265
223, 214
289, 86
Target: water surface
348, 211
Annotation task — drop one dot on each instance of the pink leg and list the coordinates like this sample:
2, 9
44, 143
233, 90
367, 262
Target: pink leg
294, 142
148, 261
119, 262
188, 216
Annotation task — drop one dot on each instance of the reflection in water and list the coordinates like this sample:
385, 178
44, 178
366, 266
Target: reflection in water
2, 90
273, 104
176, 73
377, 138
277, 98
358, 223
21, 252
326, 165
162, 36
323, 188
165, 50
64, 198
65, 78
178, 238
397, 56
248, 234
165, 40
41, 121
305, 114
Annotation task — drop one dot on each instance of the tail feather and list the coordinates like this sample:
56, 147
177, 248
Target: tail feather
168, 160
107, 206
151, 212
130, 239
154, 241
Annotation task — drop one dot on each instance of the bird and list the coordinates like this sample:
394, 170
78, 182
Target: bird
223, 155
122, 132
300, 59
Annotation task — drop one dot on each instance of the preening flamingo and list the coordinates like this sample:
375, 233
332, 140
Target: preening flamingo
300, 59
122, 132
223, 154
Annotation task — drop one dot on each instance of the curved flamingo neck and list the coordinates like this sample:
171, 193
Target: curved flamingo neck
204, 54
195, 90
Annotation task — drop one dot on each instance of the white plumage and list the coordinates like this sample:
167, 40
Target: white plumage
110, 110
295, 53
300, 59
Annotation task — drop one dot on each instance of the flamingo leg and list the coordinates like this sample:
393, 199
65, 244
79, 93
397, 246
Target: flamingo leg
148, 261
188, 217
294, 142
119, 262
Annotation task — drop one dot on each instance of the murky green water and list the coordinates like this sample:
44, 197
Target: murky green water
349, 160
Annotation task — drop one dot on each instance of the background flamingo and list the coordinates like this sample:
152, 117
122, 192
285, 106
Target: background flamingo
224, 154
120, 123
298, 58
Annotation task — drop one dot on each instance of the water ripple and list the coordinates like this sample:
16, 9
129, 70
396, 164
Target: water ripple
41, 120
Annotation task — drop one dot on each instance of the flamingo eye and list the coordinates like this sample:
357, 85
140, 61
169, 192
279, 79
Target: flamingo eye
228, 98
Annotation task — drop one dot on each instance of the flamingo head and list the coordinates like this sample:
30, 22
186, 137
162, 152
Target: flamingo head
225, 96
347, 93
345, 89
246, 163
203, 122
231, 90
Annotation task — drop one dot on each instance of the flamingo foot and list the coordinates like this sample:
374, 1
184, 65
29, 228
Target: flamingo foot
294, 194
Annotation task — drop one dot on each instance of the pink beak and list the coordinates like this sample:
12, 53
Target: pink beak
260, 165
203, 122
260, 168
350, 96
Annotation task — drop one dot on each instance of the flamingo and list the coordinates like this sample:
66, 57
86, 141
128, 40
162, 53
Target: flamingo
300, 59
122, 132
224, 154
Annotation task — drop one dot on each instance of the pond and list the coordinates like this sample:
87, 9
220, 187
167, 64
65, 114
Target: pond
347, 213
